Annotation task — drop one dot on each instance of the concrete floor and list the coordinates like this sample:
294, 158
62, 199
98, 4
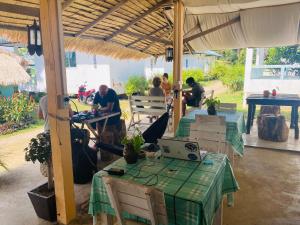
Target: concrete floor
269, 189
269, 194
291, 144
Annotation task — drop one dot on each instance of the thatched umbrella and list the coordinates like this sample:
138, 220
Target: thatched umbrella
12, 69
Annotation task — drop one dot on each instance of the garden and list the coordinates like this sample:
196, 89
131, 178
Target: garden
18, 112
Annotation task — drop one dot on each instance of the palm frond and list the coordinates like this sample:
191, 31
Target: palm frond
2, 164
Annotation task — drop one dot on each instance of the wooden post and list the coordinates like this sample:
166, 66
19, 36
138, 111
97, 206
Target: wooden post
177, 62
53, 48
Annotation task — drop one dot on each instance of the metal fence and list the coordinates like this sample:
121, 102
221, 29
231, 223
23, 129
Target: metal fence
276, 72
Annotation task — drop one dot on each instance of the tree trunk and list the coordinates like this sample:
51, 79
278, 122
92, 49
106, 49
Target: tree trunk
272, 127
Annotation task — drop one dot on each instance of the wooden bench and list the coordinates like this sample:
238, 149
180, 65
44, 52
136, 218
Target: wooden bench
145, 105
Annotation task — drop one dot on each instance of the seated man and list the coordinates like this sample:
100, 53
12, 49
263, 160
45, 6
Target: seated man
108, 99
193, 97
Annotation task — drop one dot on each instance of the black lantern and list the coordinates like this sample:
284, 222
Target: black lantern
169, 54
34, 39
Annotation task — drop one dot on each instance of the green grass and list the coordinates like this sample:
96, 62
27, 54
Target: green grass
233, 97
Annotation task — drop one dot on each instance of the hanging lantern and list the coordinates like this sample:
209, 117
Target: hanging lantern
38, 42
169, 54
34, 39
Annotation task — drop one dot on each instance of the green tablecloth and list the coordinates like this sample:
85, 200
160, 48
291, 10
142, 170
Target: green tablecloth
235, 127
193, 191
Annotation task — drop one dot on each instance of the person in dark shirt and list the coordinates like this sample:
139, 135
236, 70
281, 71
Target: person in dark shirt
108, 99
193, 97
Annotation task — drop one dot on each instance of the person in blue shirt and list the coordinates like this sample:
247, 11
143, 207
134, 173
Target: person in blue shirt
108, 101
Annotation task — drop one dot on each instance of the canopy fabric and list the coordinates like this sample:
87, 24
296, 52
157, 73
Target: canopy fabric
11, 72
257, 27
226, 6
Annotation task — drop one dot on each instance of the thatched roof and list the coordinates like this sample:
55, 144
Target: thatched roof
137, 29
12, 71
119, 28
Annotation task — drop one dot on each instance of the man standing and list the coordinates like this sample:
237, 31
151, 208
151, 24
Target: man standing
193, 97
108, 99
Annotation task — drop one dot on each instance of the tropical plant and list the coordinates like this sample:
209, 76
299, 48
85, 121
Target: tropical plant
17, 109
39, 149
234, 78
231, 75
211, 102
136, 84
136, 141
283, 55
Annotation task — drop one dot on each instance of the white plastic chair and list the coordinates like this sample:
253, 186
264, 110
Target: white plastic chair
210, 132
227, 107
136, 199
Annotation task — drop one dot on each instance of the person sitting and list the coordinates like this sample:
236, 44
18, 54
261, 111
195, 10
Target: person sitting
193, 97
156, 91
108, 99
166, 85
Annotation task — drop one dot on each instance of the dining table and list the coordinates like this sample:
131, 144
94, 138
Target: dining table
89, 118
193, 191
292, 100
235, 127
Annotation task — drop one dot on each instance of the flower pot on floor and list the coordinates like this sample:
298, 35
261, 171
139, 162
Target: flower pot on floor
43, 202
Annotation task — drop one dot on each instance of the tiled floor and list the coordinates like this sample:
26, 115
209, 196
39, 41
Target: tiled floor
291, 144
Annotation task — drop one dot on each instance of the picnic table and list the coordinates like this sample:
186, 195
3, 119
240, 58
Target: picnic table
292, 100
193, 190
88, 119
235, 127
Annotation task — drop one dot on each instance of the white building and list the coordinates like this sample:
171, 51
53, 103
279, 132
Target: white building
96, 70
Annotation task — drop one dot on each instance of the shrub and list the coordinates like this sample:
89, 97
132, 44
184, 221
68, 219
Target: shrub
197, 74
231, 75
136, 84
219, 70
17, 109
234, 79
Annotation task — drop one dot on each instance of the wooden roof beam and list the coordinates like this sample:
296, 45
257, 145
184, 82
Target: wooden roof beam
152, 33
18, 9
26, 10
66, 4
148, 37
230, 22
137, 19
101, 17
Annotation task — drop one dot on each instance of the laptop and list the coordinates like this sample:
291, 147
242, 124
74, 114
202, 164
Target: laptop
181, 149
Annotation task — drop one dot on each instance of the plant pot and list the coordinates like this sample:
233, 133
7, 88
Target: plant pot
43, 202
211, 110
142, 155
130, 155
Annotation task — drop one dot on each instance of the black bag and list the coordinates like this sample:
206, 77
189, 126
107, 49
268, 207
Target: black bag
84, 158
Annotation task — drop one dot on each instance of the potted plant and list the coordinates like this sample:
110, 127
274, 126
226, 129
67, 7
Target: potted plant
211, 105
42, 197
132, 146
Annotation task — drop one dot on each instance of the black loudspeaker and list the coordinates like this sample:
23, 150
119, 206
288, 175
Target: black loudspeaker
84, 158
